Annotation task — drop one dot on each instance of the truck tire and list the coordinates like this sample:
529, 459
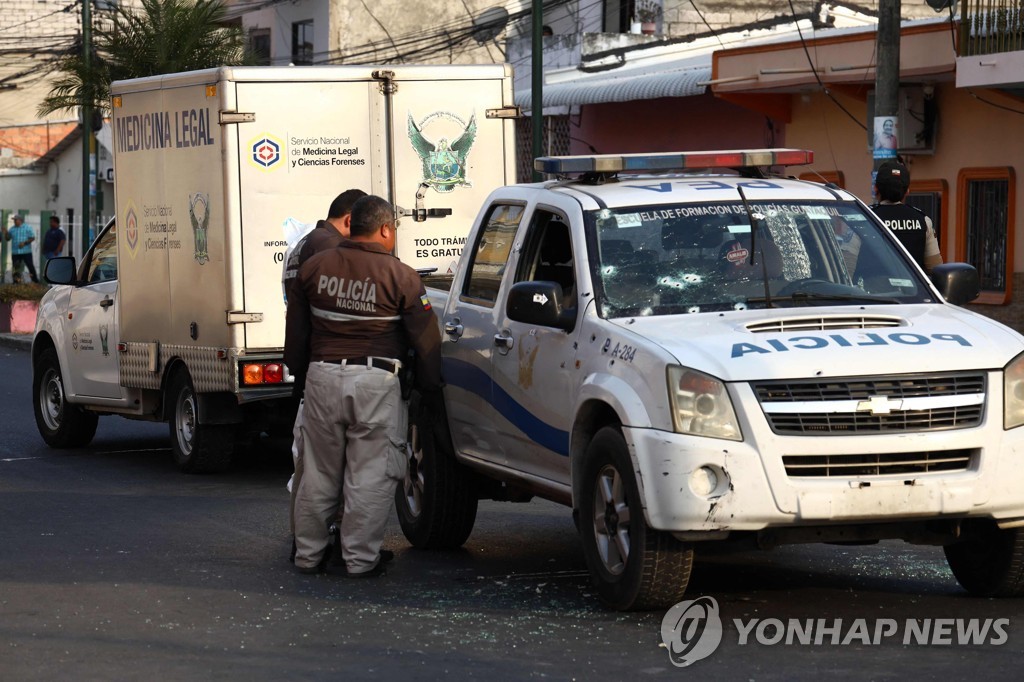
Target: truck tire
436, 502
61, 424
988, 561
634, 568
198, 448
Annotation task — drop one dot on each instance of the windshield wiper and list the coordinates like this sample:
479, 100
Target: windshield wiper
753, 219
817, 296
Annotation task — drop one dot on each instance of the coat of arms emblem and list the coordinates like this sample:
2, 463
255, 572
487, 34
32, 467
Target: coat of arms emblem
444, 161
199, 214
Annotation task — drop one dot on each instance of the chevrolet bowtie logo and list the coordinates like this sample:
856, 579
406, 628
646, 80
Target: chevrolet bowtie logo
879, 404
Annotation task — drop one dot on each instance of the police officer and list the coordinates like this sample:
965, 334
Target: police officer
912, 227
353, 312
327, 234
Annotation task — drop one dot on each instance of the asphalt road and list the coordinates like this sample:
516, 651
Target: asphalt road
115, 566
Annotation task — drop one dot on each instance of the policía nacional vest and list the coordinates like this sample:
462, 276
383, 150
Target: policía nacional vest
907, 223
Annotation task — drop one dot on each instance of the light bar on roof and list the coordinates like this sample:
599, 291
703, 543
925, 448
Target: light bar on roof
646, 163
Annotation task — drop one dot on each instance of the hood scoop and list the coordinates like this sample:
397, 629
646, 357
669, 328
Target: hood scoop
804, 324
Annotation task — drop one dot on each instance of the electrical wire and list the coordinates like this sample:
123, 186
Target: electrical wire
814, 70
701, 15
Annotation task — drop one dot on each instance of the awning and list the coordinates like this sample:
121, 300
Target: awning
625, 87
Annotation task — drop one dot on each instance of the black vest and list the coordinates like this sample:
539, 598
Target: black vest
907, 223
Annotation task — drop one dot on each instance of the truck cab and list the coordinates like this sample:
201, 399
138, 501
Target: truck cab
690, 348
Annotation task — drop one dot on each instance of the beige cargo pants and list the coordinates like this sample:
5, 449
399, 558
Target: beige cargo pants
353, 428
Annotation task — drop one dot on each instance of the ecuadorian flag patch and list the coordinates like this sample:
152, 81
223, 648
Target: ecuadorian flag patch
426, 302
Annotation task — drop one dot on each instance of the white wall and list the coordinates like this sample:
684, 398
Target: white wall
279, 19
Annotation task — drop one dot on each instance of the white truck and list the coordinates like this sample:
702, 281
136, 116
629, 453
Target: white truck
176, 312
684, 356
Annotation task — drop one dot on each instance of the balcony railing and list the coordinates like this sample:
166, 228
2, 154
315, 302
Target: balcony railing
991, 26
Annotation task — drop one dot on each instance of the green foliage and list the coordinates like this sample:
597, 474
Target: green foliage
22, 292
164, 36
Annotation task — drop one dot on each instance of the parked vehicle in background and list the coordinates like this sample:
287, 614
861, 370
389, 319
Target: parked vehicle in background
175, 312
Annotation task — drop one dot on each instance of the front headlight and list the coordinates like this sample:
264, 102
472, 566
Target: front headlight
1013, 393
700, 405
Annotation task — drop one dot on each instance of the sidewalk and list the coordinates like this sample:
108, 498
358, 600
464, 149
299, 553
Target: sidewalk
23, 341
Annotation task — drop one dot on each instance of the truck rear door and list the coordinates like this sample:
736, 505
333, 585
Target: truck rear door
309, 142
447, 149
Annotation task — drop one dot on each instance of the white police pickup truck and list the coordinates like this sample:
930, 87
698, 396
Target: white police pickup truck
686, 356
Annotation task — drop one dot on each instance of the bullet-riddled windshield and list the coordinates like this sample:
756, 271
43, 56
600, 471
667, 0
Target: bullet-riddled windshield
693, 258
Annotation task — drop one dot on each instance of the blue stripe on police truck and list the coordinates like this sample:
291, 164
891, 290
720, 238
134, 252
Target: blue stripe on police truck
471, 378
812, 342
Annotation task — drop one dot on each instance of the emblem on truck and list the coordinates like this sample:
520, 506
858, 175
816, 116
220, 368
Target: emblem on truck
266, 151
444, 162
131, 230
199, 214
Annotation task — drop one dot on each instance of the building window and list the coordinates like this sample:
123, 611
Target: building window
259, 46
302, 42
987, 206
931, 197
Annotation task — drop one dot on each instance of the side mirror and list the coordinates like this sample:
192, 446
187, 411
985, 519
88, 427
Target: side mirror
957, 282
60, 270
539, 303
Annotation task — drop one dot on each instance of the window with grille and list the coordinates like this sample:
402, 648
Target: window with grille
302, 42
930, 197
986, 200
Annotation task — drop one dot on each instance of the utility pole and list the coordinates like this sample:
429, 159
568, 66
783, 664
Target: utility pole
87, 179
884, 123
537, 113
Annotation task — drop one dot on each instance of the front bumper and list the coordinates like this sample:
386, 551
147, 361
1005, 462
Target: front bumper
707, 485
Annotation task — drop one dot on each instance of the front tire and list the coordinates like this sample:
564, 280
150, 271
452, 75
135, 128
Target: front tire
634, 567
988, 561
436, 502
61, 424
198, 448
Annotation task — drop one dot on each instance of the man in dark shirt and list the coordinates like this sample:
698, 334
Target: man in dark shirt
353, 313
326, 235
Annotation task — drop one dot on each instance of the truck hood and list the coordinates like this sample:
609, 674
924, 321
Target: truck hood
826, 342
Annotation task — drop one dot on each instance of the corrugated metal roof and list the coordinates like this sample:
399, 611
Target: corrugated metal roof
625, 87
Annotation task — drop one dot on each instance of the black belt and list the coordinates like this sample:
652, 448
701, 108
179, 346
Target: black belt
385, 364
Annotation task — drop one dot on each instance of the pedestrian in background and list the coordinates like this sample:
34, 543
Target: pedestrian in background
328, 234
353, 312
53, 241
910, 225
21, 237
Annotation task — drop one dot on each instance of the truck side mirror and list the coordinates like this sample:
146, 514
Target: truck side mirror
957, 282
539, 303
60, 270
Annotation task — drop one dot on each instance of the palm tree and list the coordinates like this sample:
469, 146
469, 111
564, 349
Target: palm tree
165, 36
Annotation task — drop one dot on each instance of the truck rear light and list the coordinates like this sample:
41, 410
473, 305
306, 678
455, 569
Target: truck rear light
273, 373
252, 374
262, 373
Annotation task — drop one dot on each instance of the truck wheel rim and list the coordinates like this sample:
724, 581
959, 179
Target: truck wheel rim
186, 423
51, 399
611, 520
414, 482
